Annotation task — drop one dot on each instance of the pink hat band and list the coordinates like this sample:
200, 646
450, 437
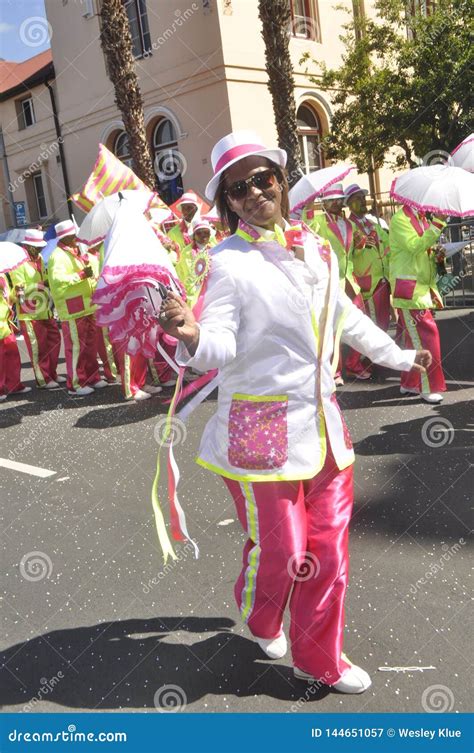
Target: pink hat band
332, 194
234, 152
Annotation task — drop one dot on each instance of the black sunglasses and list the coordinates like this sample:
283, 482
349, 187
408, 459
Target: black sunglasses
262, 180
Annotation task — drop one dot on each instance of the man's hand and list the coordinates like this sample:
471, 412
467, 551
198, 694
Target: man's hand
423, 360
178, 320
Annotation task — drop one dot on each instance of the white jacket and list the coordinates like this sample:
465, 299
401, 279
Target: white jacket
269, 324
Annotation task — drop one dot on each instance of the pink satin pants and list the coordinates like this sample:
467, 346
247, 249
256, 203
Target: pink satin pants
297, 550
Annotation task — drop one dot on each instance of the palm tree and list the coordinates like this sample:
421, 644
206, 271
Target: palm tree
275, 16
116, 43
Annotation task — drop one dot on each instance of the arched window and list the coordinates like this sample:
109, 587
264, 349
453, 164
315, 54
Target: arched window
309, 138
168, 161
122, 149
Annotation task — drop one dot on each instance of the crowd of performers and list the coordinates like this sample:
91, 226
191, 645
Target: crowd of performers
388, 272
278, 438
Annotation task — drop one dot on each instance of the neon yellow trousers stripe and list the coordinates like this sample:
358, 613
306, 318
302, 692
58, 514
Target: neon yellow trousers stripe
248, 593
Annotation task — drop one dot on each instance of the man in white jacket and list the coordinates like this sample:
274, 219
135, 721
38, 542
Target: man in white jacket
272, 316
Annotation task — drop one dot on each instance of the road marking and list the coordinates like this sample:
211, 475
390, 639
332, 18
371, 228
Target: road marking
33, 470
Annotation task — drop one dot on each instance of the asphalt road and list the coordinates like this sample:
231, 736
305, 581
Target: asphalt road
92, 621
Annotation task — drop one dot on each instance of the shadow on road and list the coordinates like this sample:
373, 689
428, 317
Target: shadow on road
123, 664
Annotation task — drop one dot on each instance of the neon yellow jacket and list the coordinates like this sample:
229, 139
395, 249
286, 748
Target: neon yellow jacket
5, 308
185, 270
32, 277
371, 263
70, 288
320, 224
181, 234
412, 266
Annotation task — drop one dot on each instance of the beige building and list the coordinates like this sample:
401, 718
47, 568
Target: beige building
201, 69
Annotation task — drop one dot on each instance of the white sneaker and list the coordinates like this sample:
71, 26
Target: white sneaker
23, 391
2, 397
140, 395
152, 389
61, 379
81, 392
52, 385
408, 391
339, 381
431, 397
169, 383
100, 384
354, 679
275, 648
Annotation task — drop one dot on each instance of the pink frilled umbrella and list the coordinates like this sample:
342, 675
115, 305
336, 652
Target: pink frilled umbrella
11, 256
310, 186
440, 189
463, 155
135, 278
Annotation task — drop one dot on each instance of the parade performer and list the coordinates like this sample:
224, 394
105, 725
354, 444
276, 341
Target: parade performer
371, 261
189, 207
34, 308
271, 311
413, 282
71, 280
10, 361
344, 238
194, 259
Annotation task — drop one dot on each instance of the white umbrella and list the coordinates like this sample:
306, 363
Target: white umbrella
463, 155
310, 186
99, 220
11, 256
440, 189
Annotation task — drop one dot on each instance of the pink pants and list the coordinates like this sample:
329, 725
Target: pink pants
378, 306
133, 371
297, 549
106, 352
43, 341
80, 346
418, 330
10, 366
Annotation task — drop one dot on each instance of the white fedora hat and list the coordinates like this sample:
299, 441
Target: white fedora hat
188, 198
352, 190
34, 238
65, 228
335, 191
234, 147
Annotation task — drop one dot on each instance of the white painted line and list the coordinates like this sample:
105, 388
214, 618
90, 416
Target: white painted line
33, 470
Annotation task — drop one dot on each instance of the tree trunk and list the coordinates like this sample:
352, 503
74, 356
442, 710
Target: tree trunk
116, 43
275, 16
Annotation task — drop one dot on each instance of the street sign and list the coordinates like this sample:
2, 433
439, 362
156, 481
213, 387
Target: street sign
20, 213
